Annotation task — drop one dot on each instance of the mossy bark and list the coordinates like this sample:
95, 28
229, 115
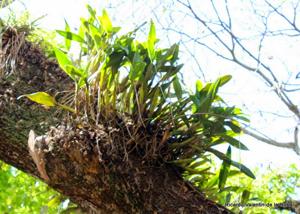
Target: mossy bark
71, 155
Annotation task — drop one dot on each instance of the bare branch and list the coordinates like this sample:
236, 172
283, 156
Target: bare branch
292, 23
296, 148
289, 145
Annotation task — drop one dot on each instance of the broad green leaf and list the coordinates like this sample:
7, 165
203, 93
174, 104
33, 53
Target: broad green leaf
171, 72
55, 201
76, 72
240, 166
199, 85
67, 40
92, 11
105, 22
210, 97
196, 171
212, 182
196, 164
81, 31
230, 188
213, 90
234, 126
70, 36
245, 196
177, 88
234, 172
234, 142
228, 197
137, 67
95, 35
242, 118
195, 100
41, 98
64, 62
154, 99
175, 50
151, 41
172, 53
116, 29
115, 59
224, 170
170, 56
224, 79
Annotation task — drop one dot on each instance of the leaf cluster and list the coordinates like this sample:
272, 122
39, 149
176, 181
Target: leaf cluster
115, 76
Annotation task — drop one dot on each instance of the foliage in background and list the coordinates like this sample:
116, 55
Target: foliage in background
21, 193
24, 23
271, 186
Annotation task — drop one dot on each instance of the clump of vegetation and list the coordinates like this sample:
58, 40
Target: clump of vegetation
15, 30
134, 86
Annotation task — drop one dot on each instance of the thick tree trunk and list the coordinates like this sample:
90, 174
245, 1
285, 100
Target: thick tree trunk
77, 161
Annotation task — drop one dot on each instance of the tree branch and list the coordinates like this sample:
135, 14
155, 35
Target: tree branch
288, 145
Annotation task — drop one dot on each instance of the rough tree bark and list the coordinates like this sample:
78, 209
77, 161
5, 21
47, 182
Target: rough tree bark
76, 161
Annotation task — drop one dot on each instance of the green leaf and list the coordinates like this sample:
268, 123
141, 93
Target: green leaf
151, 41
115, 59
175, 52
210, 97
116, 29
76, 72
55, 201
170, 56
243, 169
234, 142
228, 197
234, 125
64, 62
212, 182
92, 12
154, 100
105, 22
177, 88
199, 85
41, 98
171, 72
137, 67
70, 36
213, 90
240, 166
224, 79
95, 34
67, 40
224, 170
245, 196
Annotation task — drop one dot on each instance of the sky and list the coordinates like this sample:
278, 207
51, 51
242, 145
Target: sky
244, 87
